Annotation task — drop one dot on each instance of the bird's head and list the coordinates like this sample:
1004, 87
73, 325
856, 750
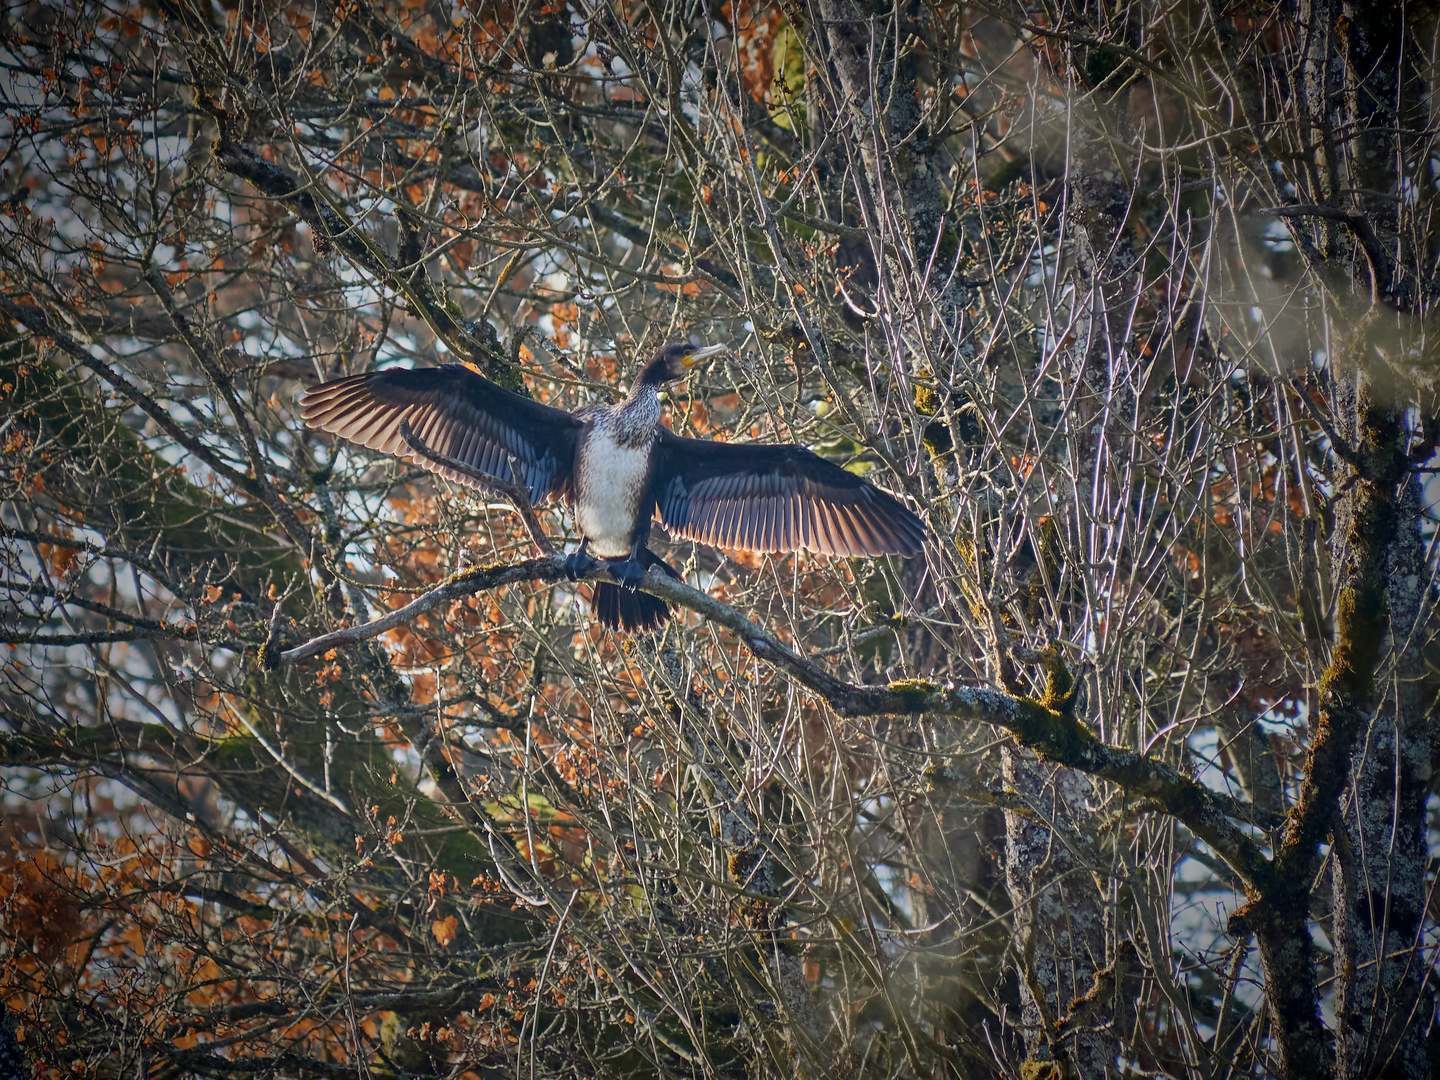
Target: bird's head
675, 361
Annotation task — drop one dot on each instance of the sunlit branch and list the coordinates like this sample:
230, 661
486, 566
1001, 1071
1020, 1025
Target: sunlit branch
1050, 733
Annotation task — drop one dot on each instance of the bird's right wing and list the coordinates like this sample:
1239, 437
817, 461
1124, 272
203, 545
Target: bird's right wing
456, 412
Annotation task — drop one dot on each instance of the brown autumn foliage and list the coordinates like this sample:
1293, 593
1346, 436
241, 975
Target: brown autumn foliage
1130, 775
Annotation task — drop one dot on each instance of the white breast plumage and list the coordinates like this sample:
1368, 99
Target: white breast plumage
611, 476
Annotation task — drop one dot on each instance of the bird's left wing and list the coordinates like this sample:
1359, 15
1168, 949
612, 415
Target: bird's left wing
771, 497
455, 412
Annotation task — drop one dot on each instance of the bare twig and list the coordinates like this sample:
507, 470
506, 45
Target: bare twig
516, 493
1050, 734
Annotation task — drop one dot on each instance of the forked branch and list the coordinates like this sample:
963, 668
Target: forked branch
1050, 733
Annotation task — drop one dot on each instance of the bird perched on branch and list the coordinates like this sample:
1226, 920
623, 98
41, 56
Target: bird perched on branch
617, 464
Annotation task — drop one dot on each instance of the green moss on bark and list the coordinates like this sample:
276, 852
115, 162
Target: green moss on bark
915, 694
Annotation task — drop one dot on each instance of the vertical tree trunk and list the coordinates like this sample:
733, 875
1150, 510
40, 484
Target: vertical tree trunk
1379, 873
1059, 916
1371, 524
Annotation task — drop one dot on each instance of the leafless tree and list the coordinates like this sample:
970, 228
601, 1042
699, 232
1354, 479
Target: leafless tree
318, 766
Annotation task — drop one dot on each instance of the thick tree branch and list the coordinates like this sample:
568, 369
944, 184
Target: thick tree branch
465, 583
98, 637
1048, 732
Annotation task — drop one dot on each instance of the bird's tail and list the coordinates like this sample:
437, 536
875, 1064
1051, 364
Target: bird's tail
632, 612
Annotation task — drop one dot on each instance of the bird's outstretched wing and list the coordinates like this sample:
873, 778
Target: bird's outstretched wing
764, 497
455, 412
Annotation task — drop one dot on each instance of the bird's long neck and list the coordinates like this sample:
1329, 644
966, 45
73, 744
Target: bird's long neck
644, 391
633, 421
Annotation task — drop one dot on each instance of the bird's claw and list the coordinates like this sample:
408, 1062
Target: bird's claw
629, 573
578, 564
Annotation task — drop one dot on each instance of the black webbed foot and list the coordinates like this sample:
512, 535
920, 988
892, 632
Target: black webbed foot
628, 572
578, 563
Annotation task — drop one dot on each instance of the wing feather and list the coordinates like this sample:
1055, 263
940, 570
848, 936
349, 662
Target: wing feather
829, 531
855, 531
766, 497
726, 523
458, 413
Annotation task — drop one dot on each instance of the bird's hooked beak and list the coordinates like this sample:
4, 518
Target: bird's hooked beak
703, 353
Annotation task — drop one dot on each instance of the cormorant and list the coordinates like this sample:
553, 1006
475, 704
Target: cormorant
617, 465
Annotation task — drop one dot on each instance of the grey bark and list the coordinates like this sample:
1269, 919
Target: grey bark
1383, 996
1059, 916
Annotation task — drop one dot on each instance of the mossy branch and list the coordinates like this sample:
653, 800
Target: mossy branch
1049, 731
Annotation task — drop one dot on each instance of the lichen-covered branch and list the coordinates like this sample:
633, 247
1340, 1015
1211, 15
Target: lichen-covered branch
1048, 732
1279, 907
